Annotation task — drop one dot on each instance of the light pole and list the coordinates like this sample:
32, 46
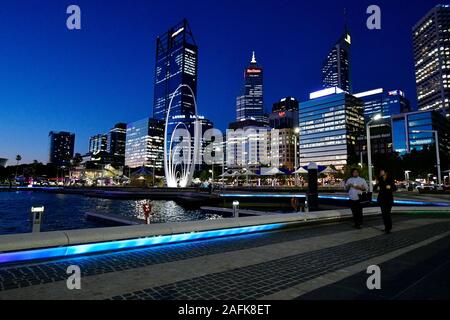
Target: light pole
296, 133
438, 156
376, 118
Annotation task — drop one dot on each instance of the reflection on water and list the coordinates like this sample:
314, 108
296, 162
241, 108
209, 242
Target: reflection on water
65, 212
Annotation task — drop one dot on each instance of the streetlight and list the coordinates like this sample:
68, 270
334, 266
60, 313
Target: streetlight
297, 132
376, 118
438, 157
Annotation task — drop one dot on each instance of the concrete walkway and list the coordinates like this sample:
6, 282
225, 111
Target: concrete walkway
308, 262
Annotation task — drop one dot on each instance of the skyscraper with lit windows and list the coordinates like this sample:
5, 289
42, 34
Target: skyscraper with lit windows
176, 64
250, 105
431, 38
336, 71
330, 123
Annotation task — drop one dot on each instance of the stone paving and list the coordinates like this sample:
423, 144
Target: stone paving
277, 265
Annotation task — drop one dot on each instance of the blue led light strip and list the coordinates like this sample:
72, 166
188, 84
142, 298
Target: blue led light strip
61, 252
343, 198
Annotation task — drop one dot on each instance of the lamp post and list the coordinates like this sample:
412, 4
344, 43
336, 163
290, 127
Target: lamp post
438, 157
376, 118
296, 133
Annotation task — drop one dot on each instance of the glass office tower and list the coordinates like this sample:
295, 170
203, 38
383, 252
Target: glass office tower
336, 71
330, 123
145, 144
116, 142
250, 105
98, 143
407, 136
431, 38
385, 103
61, 147
176, 64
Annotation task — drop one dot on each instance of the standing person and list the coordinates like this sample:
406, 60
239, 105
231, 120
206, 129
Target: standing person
355, 187
386, 188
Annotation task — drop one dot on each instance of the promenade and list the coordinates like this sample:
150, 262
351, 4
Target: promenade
327, 261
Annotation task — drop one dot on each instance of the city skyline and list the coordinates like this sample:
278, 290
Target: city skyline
58, 110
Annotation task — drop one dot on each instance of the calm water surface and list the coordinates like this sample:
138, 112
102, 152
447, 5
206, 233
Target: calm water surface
66, 212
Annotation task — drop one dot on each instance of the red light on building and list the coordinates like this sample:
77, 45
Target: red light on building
254, 71
282, 114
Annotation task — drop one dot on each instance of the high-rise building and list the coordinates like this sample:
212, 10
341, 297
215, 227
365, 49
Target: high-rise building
284, 114
248, 144
336, 71
386, 104
250, 105
431, 38
284, 119
330, 123
61, 147
145, 144
176, 64
3, 162
98, 143
411, 131
116, 142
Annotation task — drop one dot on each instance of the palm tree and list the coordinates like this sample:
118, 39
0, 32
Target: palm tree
18, 159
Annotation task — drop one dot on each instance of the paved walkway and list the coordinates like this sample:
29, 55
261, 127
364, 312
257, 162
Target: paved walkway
316, 262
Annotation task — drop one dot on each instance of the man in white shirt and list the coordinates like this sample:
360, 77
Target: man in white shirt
355, 186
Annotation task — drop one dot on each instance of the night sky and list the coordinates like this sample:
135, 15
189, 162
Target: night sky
85, 81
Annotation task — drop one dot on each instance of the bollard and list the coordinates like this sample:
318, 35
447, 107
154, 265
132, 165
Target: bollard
236, 209
306, 204
36, 218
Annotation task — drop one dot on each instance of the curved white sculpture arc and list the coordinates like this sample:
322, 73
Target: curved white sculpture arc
179, 175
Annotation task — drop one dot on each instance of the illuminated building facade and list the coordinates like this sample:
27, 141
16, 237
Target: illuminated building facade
176, 64
250, 105
407, 136
248, 144
61, 147
336, 71
330, 123
98, 143
431, 38
145, 144
116, 142
284, 118
385, 103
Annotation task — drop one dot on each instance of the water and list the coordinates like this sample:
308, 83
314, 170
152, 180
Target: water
67, 212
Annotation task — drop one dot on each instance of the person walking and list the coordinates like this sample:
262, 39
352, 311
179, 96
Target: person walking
386, 188
356, 186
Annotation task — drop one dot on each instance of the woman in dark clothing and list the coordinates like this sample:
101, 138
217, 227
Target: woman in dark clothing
386, 188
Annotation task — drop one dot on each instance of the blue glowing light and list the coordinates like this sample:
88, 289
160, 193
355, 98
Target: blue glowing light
327, 197
49, 253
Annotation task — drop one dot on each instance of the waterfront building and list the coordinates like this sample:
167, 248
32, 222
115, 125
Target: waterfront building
336, 70
250, 105
176, 64
98, 143
330, 123
384, 103
248, 144
145, 144
407, 135
116, 143
61, 147
431, 39
284, 119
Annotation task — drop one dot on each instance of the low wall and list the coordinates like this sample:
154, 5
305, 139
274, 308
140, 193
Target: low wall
30, 241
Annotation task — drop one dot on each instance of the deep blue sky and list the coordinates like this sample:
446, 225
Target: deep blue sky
85, 81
